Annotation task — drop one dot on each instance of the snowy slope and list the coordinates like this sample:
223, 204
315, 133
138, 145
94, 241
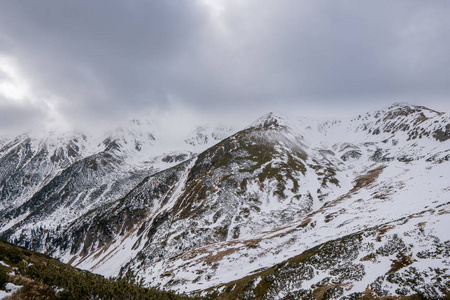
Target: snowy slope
50, 179
212, 208
367, 189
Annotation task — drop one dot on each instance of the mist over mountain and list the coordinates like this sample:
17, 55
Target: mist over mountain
285, 208
227, 149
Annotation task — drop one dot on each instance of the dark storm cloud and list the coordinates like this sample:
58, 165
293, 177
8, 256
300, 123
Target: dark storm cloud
110, 59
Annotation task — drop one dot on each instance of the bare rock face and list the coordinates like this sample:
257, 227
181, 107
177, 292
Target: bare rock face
441, 134
349, 155
283, 209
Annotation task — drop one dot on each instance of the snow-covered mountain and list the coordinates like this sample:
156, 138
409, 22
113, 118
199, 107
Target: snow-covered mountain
288, 207
52, 178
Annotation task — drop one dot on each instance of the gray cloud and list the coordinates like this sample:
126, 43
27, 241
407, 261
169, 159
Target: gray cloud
103, 60
14, 116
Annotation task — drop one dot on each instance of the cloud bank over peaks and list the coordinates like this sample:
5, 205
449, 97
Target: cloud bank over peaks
97, 62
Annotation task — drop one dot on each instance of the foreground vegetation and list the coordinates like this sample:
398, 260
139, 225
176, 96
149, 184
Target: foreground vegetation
42, 277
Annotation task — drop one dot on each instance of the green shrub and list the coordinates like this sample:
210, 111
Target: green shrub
14, 255
4, 277
78, 284
33, 290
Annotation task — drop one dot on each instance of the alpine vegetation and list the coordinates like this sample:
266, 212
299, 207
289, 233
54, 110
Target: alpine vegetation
286, 208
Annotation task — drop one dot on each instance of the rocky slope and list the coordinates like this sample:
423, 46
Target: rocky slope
285, 208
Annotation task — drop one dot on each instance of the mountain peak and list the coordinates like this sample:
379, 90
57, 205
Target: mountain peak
405, 108
269, 121
400, 105
402, 112
307, 200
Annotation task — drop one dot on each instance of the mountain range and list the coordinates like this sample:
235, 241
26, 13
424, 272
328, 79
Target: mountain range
286, 208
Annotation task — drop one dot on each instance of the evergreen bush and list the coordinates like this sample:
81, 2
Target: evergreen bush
4, 277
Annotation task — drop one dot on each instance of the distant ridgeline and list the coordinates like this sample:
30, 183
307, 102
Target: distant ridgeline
286, 208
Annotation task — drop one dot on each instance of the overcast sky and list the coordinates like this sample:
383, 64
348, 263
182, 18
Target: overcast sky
97, 62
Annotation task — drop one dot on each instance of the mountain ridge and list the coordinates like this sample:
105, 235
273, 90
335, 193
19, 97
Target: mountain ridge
273, 190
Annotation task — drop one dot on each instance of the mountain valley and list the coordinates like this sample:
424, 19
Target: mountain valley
286, 208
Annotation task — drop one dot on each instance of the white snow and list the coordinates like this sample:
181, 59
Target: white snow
371, 190
9, 290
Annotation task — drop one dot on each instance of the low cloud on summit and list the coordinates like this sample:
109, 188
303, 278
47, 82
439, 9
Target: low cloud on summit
69, 62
